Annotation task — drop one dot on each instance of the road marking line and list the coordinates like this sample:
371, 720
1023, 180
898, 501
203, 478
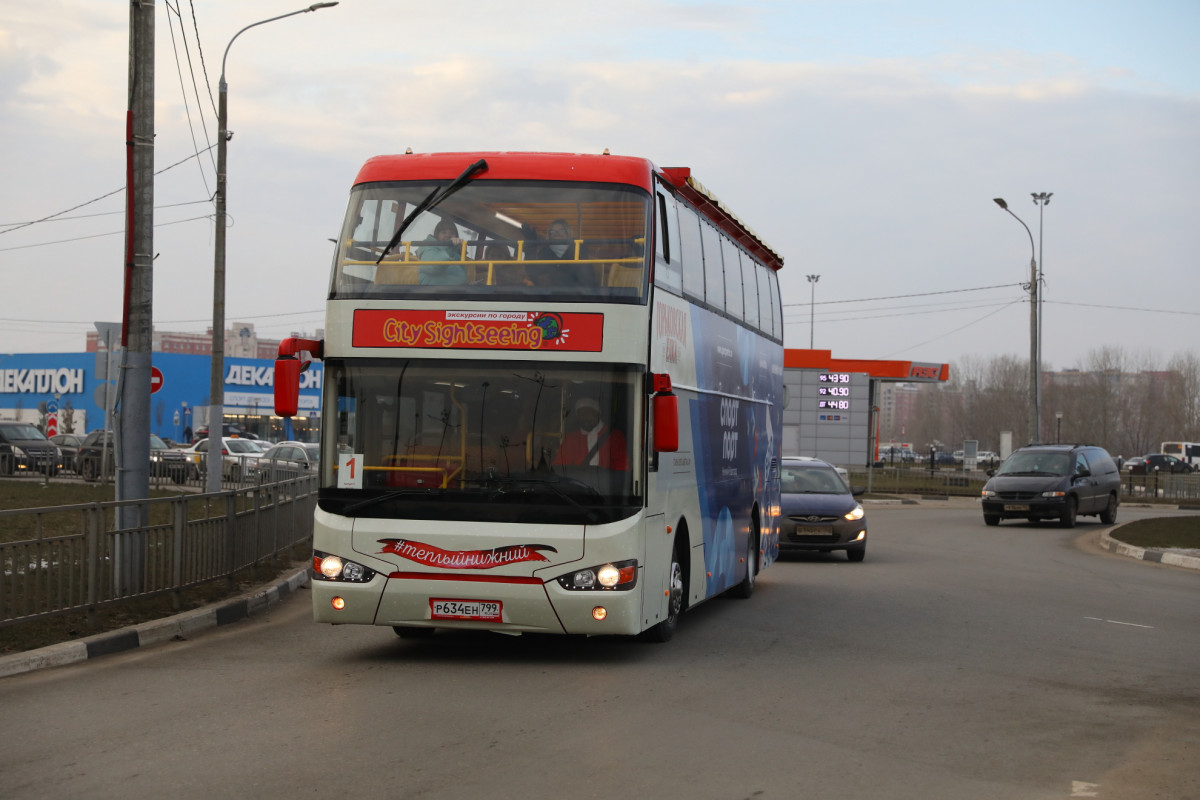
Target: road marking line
1118, 622
1082, 789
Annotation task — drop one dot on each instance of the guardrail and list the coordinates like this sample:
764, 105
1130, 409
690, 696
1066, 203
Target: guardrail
1163, 486
915, 479
75, 558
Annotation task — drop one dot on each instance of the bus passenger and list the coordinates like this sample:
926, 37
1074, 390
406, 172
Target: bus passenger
561, 247
504, 274
448, 249
594, 443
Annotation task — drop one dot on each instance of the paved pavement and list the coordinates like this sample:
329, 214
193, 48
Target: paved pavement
260, 599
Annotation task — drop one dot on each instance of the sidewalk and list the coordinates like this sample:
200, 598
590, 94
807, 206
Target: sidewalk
177, 626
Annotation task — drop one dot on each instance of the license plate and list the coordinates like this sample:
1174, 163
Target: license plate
814, 530
1016, 508
479, 610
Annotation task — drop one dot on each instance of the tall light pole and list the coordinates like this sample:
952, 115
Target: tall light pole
216, 387
1035, 353
1041, 199
812, 307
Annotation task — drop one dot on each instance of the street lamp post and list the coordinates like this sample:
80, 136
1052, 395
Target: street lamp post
1041, 199
1035, 353
1058, 415
812, 306
216, 388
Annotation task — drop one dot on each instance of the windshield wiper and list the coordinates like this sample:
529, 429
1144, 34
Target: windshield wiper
432, 199
553, 486
382, 498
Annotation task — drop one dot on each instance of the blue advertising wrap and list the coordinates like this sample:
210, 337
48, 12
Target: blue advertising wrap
736, 420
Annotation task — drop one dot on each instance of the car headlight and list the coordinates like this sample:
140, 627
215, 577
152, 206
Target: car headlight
1054, 494
989, 493
615, 576
856, 513
334, 568
18, 452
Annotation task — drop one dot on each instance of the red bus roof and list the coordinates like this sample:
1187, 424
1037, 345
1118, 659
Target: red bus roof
510, 166
589, 167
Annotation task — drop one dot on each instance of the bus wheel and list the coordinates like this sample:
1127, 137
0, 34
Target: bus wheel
746, 588
405, 632
663, 631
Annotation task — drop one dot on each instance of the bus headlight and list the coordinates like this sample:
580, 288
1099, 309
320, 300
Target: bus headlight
334, 568
615, 576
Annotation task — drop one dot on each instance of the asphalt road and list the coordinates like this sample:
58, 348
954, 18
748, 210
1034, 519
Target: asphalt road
957, 661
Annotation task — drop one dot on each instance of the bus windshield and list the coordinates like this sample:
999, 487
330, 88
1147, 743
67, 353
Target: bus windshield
478, 440
495, 239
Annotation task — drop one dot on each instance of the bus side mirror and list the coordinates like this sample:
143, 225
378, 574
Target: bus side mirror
288, 367
287, 385
665, 408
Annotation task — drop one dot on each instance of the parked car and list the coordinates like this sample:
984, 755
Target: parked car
891, 454
68, 448
25, 449
240, 457
288, 459
820, 512
91, 460
1147, 464
227, 429
1053, 481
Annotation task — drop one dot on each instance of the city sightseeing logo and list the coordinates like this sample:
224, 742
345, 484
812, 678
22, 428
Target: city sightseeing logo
551, 326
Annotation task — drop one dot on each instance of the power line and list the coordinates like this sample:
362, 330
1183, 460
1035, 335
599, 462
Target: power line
239, 318
1124, 308
901, 296
98, 235
183, 91
111, 213
49, 217
799, 313
948, 333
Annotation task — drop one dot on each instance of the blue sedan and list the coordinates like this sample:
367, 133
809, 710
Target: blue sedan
819, 511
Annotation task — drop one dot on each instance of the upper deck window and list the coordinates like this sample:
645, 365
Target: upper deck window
513, 240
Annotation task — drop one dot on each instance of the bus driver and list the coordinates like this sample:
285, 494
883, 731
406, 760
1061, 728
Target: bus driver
594, 443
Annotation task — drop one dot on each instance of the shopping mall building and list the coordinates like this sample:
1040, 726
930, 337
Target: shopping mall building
77, 385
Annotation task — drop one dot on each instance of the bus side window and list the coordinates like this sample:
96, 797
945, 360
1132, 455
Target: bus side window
733, 279
714, 272
668, 271
764, 299
750, 287
691, 252
776, 311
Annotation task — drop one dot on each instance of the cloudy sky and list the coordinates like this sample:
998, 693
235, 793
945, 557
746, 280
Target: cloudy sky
863, 140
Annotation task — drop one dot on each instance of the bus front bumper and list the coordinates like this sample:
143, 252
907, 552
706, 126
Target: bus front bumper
526, 605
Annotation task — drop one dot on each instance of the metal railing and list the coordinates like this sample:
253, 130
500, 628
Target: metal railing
74, 558
919, 479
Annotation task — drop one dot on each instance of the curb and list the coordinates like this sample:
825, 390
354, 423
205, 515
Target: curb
1141, 553
178, 626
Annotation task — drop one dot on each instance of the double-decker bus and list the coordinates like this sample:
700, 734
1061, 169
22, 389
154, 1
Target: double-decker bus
552, 398
1188, 452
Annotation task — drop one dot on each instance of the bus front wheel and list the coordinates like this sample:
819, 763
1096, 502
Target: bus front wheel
663, 631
